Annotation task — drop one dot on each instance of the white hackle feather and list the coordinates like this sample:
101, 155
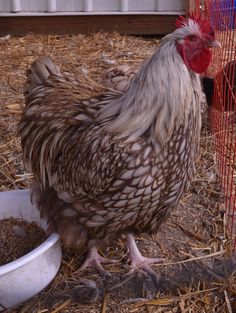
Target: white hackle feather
159, 97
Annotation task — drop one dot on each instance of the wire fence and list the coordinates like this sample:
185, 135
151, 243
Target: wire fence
222, 14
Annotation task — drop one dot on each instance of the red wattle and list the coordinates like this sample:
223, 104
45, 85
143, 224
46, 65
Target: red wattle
200, 62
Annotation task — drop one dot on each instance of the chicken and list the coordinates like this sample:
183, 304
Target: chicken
225, 79
116, 163
118, 78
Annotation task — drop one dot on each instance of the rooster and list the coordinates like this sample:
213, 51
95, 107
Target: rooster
226, 81
116, 163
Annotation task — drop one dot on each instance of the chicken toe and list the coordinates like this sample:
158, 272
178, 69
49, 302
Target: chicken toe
94, 260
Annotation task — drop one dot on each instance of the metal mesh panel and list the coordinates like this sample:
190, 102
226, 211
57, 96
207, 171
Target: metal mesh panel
222, 14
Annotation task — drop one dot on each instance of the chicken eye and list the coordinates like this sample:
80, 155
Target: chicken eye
192, 38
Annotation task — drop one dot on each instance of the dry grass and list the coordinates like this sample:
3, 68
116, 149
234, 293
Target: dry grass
192, 241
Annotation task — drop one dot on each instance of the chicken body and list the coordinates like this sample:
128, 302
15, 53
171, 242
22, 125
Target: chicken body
115, 163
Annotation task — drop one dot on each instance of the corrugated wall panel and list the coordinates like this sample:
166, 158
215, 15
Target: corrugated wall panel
91, 5
5, 6
70, 5
170, 5
34, 5
106, 5
52, 5
140, 5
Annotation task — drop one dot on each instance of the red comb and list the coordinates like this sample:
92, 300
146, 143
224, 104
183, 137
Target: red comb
181, 21
204, 24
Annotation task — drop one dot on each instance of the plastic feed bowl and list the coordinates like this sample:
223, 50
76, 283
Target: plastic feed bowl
25, 277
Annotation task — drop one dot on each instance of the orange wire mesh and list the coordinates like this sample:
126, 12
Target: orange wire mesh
222, 14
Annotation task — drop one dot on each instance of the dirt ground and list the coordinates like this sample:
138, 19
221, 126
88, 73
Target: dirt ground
196, 274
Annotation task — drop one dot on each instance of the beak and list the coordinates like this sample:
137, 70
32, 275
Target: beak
214, 44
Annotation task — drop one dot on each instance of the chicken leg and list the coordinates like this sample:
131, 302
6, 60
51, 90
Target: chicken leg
137, 260
94, 260
140, 277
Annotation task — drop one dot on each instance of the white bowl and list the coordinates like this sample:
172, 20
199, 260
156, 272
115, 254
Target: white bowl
25, 277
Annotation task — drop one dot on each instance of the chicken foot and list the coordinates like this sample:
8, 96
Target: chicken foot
141, 277
94, 260
136, 258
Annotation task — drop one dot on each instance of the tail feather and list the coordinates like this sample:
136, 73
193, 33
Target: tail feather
39, 72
